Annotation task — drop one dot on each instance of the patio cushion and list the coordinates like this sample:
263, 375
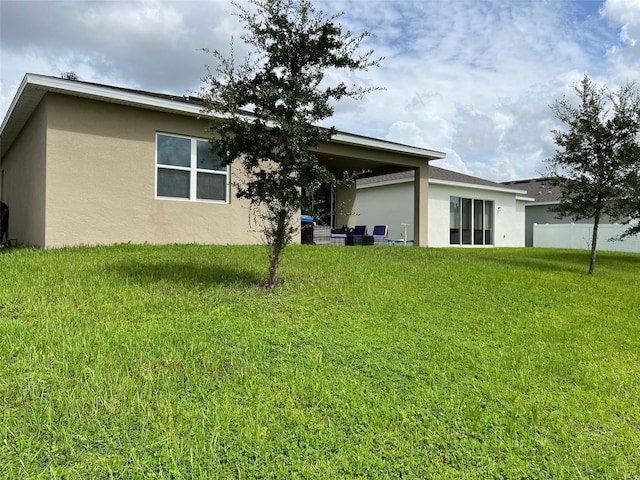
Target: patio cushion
359, 231
380, 231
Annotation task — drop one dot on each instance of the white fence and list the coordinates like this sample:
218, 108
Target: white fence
578, 235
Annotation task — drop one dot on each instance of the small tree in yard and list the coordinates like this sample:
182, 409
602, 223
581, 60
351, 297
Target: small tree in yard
598, 158
271, 104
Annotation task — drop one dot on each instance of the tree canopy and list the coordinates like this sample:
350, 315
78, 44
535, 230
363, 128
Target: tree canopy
598, 156
271, 105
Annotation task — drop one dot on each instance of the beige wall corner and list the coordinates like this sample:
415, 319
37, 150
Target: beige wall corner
346, 205
421, 206
24, 181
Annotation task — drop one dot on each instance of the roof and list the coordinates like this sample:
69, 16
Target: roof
540, 189
34, 87
439, 176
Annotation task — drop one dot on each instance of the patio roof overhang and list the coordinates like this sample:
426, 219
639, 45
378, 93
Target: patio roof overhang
372, 156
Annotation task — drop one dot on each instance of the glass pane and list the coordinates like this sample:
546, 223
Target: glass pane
466, 221
478, 234
174, 151
207, 159
211, 186
173, 183
488, 222
454, 220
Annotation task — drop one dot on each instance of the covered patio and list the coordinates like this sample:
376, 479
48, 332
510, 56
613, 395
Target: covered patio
368, 157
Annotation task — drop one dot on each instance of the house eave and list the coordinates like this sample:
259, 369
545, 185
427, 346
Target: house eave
34, 87
384, 145
433, 181
477, 187
536, 204
387, 182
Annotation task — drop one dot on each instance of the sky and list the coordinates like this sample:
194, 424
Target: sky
472, 78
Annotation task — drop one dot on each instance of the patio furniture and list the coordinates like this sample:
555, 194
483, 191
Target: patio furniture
321, 235
399, 241
338, 239
339, 236
380, 235
357, 236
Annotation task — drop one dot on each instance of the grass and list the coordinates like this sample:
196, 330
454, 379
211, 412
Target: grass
168, 362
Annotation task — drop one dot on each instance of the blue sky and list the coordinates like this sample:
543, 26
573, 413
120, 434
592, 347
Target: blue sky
473, 78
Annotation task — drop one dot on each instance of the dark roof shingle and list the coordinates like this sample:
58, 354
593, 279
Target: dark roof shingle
540, 189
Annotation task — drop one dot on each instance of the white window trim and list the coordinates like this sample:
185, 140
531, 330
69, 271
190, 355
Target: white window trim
193, 172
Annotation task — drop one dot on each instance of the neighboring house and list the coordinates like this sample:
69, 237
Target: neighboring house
544, 228
544, 196
462, 210
84, 163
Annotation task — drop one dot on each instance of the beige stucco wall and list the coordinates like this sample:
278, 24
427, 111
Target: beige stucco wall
345, 205
83, 172
101, 180
24, 178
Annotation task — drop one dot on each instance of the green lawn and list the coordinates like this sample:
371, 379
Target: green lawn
168, 362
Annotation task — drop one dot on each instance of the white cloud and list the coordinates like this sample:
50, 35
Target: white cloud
452, 161
138, 20
473, 79
476, 79
624, 57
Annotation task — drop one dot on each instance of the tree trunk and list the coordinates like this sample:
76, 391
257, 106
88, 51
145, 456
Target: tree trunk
594, 242
277, 248
274, 265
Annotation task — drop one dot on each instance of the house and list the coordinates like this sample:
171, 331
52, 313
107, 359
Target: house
462, 210
85, 164
545, 195
543, 227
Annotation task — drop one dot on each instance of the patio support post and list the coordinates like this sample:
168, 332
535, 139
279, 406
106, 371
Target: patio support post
420, 206
345, 205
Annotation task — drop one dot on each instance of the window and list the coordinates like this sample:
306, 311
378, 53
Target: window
188, 169
470, 221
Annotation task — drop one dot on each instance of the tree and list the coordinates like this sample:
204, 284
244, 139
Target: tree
271, 105
597, 162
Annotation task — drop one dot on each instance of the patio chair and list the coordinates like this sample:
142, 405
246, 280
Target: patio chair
357, 236
380, 235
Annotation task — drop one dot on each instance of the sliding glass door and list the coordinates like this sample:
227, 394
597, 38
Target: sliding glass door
470, 221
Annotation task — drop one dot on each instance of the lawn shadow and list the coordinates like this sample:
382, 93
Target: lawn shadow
547, 261
186, 273
562, 260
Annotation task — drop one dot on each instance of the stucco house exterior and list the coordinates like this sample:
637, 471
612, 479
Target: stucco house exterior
86, 164
463, 210
545, 195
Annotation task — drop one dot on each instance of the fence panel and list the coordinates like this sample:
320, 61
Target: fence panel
578, 235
